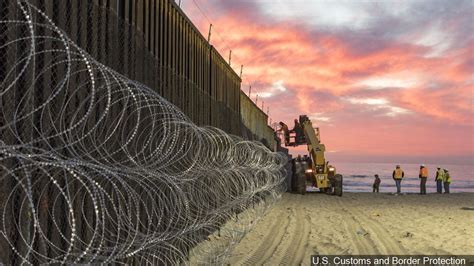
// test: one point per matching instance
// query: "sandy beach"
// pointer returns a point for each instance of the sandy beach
(298, 226)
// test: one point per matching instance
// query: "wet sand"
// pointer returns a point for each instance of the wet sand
(299, 226)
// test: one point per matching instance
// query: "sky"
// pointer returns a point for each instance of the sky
(383, 80)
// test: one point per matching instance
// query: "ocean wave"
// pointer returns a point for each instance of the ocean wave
(404, 184)
(359, 176)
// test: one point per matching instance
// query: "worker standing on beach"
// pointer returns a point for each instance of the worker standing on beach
(376, 184)
(423, 176)
(397, 175)
(447, 181)
(439, 180)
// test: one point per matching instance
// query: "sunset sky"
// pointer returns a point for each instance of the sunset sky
(382, 79)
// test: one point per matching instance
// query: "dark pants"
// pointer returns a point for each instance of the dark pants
(423, 185)
(446, 187)
(398, 182)
(376, 188)
(439, 186)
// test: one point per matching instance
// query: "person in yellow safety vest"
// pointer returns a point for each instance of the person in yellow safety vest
(423, 177)
(439, 180)
(446, 181)
(397, 175)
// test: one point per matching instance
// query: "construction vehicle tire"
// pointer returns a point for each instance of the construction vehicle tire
(302, 184)
(329, 190)
(338, 185)
(293, 184)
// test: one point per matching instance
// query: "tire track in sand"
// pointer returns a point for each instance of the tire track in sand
(269, 243)
(292, 249)
(361, 244)
(378, 234)
(388, 244)
(295, 252)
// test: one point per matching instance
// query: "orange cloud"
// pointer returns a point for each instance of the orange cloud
(322, 69)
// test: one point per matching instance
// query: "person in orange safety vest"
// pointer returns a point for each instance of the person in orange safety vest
(423, 177)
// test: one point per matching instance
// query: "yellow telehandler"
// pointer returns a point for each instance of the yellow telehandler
(313, 171)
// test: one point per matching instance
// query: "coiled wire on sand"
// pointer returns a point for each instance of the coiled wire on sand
(98, 168)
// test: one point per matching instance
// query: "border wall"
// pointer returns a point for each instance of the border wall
(155, 43)
(149, 41)
(255, 123)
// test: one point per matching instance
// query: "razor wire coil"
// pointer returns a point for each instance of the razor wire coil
(98, 168)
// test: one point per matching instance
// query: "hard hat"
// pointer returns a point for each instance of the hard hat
(422, 165)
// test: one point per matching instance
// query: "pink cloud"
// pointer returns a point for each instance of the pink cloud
(427, 101)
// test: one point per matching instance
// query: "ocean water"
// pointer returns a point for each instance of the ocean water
(359, 177)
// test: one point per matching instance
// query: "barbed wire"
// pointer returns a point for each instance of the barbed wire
(102, 169)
